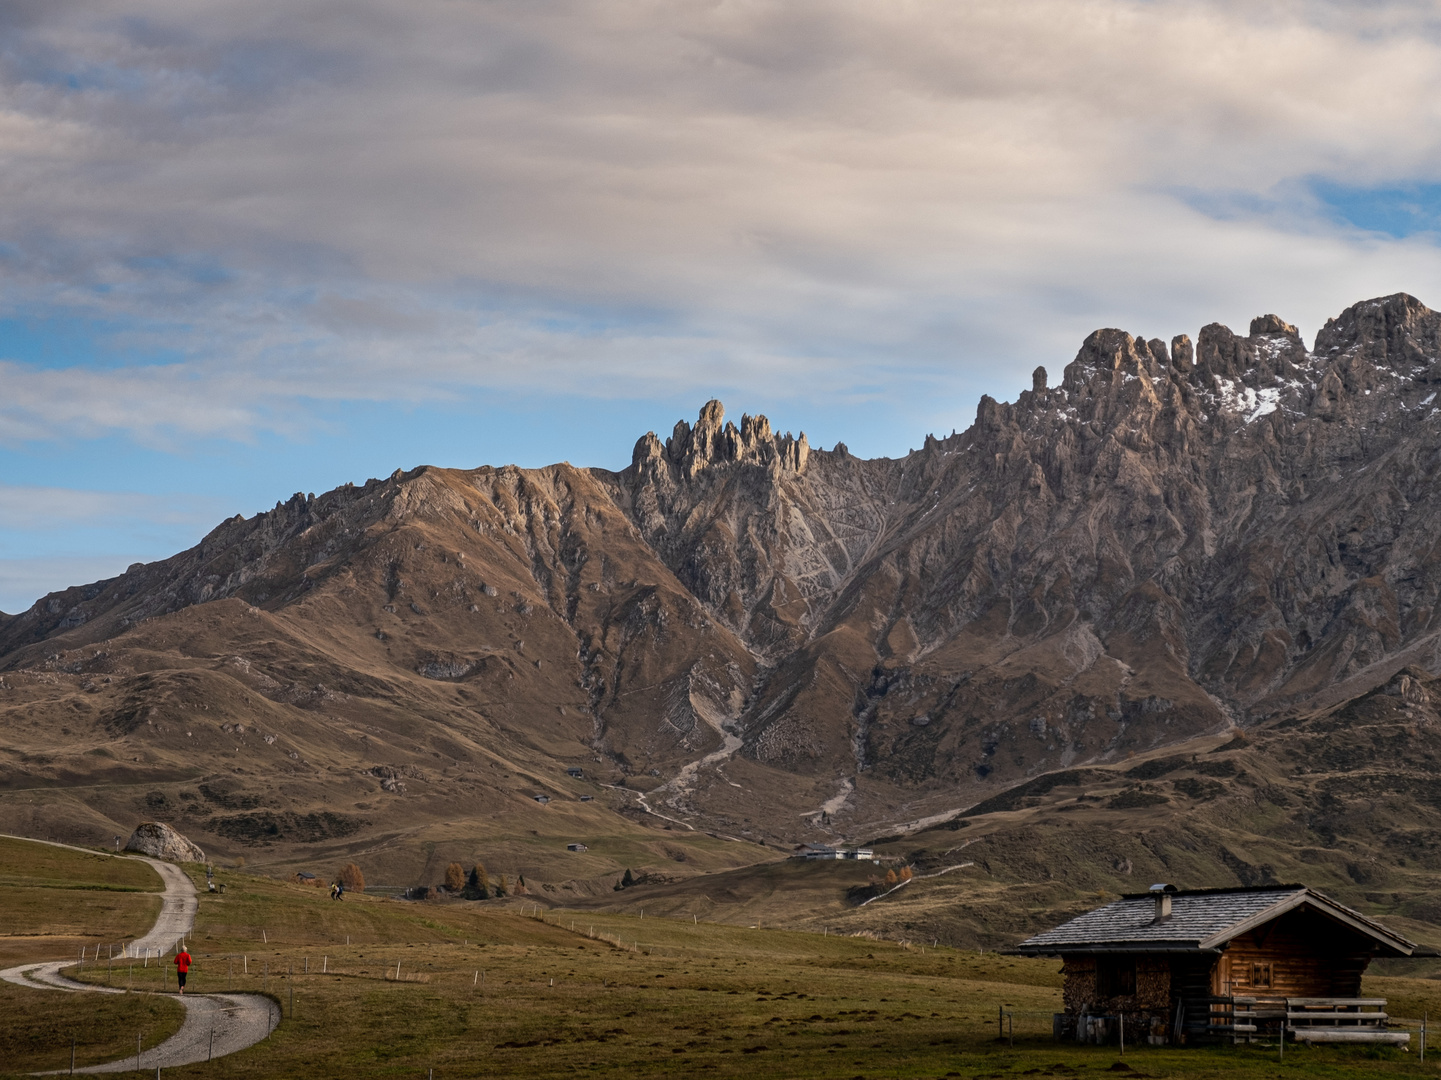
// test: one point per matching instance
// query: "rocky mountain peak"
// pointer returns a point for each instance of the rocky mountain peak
(715, 441)
(1397, 331)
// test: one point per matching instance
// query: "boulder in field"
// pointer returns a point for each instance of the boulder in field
(160, 841)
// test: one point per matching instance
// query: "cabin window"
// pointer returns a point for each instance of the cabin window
(1261, 976)
(1115, 977)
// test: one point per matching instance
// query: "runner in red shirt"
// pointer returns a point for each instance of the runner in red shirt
(182, 967)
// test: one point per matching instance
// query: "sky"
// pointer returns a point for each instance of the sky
(254, 248)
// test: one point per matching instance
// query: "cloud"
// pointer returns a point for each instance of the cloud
(412, 202)
(40, 509)
(23, 580)
(53, 537)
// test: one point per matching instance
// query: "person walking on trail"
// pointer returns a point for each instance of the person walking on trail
(183, 961)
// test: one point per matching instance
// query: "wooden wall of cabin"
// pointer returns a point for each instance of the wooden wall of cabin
(1301, 954)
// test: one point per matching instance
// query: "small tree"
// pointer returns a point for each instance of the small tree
(520, 885)
(629, 879)
(454, 877)
(502, 887)
(891, 878)
(352, 878)
(906, 873)
(480, 882)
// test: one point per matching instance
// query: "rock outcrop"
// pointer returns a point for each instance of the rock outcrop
(160, 841)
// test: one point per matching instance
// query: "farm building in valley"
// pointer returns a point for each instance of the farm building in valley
(821, 851)
(1208, 964)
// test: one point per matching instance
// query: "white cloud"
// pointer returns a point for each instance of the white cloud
(388, 201)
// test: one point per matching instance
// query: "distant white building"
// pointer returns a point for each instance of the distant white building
(576, 847)
(821, 851)
(816, 851)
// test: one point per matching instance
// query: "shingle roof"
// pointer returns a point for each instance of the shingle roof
(1200, 921)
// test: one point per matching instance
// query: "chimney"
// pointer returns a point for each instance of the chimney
(1162, 896)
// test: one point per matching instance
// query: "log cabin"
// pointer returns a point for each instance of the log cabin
(1203, 965)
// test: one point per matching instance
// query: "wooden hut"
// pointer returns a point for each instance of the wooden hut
(1207, 964)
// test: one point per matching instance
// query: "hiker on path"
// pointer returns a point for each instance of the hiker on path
(182, 967)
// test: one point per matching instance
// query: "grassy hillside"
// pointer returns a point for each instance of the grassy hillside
(1346, 800)
(472, 989)
(52, 901)
(56, 900)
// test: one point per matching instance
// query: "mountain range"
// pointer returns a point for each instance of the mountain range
(740, 638)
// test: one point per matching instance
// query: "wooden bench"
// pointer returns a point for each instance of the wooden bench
(1341, 1020)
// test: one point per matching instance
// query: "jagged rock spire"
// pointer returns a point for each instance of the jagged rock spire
(714, 441)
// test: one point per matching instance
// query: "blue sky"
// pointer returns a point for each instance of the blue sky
(248, 249)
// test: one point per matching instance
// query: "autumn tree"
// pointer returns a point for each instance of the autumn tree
(905, 874)
(891, 878)
(479, 882)
(454, 877)
(502, 887)
(352, 878)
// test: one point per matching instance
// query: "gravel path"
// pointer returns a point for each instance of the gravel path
(215, 1024)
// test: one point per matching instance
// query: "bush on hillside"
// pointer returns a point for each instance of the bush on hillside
(454, 877)
(477, 886)
(352, 878)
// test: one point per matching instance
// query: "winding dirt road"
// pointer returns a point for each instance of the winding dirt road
(214, 1025)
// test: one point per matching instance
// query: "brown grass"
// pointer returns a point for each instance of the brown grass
(57, 900)
(53, 901)
(36, 1026)
(479, 989)
(483, 991)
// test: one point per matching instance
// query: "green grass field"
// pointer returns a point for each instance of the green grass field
(473, 990)
(53, 901)
(56, 899)
(36, 1027)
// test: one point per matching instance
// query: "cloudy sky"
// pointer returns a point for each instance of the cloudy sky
(253, 247)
